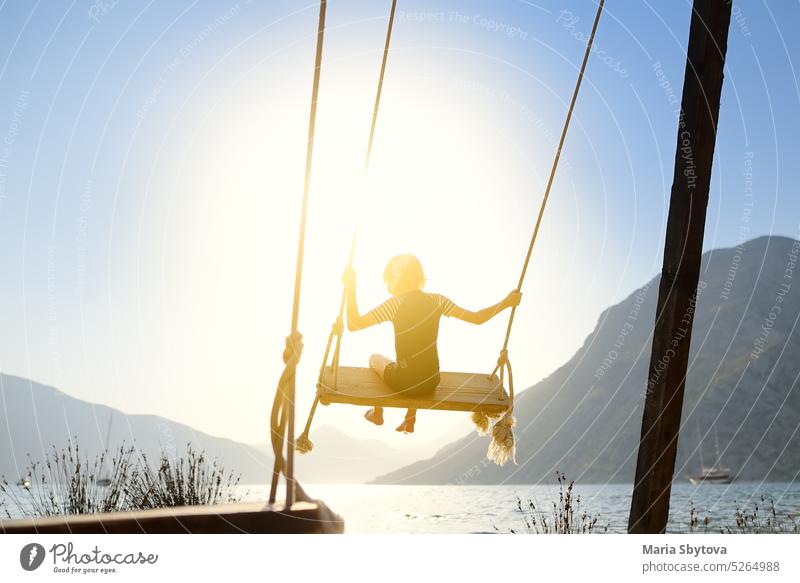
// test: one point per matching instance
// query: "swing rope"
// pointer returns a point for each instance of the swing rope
(304, 444)
(502, 447)
(282, 416)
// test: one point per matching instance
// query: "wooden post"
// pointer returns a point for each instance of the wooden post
(708, 40)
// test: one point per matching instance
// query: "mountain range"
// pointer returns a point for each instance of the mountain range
(741, 408)
(37, 417)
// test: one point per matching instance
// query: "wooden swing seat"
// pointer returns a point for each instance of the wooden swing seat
(457, 391)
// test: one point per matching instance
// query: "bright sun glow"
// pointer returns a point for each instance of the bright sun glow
(444, 184)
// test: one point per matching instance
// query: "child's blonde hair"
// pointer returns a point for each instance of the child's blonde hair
(405, 271)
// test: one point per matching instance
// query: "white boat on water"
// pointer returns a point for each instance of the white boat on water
(715, 474)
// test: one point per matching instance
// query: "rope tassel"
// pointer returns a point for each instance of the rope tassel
(482, 421)
(503, 446)
(303, 444)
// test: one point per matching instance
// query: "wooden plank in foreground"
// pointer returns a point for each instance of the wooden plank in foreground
(253, 517)
(457, 391)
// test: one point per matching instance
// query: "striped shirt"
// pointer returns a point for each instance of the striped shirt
(415, 317)
(387, 311)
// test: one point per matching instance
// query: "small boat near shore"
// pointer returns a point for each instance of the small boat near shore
(714, 474)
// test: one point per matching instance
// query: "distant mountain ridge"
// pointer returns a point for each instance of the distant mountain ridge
(34, 417)
(37, 417)
(585, 418)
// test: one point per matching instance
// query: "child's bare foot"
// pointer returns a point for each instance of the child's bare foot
(374, 415)
(407, 426)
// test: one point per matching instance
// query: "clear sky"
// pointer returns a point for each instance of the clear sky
(151, 158)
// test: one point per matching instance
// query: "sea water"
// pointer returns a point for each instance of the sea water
(488, 509)
(485, 509)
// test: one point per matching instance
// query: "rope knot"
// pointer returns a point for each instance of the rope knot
(338, 327)
(503, 358)
(293, 349)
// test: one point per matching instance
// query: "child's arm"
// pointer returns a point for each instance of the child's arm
(355, 321)
(486, 314)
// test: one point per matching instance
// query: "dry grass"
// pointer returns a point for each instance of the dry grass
(184, 481)
(562, 516)
(66, 483)
(763, 518)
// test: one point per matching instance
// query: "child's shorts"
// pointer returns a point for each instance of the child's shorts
(407, 381)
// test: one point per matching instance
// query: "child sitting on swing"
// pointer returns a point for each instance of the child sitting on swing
(415, 317)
